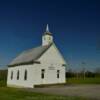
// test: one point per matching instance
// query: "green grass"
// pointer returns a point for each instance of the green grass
(18, 94)
(21, 94)
(3, 83)
(83, 81)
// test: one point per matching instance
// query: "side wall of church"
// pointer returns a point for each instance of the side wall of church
(12, 80)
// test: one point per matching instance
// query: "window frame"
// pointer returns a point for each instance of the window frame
(42, 73)
(11, 77)
(18, 75)
(25, 75)
(58, 74)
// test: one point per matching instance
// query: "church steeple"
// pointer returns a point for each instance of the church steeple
(47, 38)
(47, 28)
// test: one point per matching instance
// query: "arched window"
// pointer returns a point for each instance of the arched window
(42, 73)
(25, 75)
(58, 72)
(18, 75)
(11, 75)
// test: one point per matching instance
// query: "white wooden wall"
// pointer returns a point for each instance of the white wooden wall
(51, 61)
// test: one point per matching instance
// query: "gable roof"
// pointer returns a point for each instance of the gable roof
(29, 56)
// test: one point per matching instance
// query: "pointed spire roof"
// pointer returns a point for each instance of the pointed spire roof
(47, 30)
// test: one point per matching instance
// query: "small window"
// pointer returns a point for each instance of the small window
(42, 73)
(58, 71)
(25, 75)
(57, 75)
(18, 75)
(11, 75)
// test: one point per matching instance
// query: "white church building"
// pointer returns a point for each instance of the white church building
(41, 65)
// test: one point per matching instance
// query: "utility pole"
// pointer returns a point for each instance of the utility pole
(83, 64)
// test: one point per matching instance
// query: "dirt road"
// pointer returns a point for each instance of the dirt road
(91, 91)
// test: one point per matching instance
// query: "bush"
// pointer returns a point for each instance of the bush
(2, 83)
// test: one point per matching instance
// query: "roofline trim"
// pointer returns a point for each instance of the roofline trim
(24, 63)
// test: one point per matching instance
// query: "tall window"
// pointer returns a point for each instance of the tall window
(18, 75)
(58, 72)
(25, 75)
(42, 73)
(11, 75)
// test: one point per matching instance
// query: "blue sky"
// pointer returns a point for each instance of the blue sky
(74, 24)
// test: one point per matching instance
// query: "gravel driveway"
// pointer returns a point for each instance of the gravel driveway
(91, 91)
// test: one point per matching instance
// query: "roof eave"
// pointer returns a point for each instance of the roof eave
(24, 63)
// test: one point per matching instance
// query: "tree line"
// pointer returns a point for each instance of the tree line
(3, 74)
(83, 74)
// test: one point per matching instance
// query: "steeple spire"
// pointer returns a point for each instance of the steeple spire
(47, 28)
(47, 37)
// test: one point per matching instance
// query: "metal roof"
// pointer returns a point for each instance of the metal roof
(29, 55)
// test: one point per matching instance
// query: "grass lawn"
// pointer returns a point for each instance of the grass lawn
(3, 83)
(83, 81)
(18, 94)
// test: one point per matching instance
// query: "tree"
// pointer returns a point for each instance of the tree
(83, 64)
(3, 74)
(97, 72)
